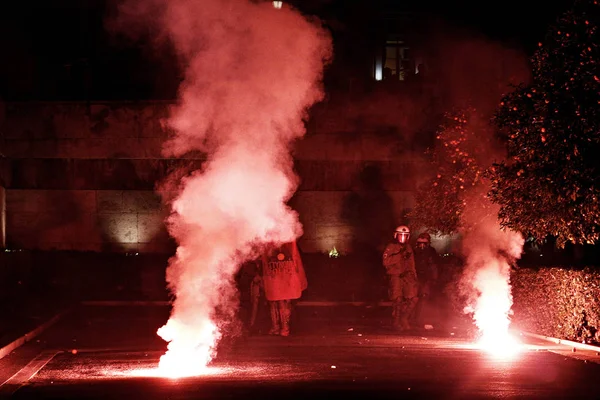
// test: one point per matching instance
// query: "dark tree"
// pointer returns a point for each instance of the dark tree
(458, 164)
(550, 181)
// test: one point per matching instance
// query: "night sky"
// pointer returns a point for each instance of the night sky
(522, 21)
(60, 49)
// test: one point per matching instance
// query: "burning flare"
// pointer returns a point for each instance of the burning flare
(191, 352)
(489, 252)
(493, 308)
(251, 72)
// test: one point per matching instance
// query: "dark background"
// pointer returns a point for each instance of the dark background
(61, 49)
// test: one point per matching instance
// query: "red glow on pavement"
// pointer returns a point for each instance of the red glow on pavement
(178, 373)
(244, 371)
(503, 346)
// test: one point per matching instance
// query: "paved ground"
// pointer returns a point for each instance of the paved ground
(23, 312)
(332, 354)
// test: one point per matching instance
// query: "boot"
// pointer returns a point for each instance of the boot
(406, 310)
(415, 316)
(285, 312)
(404, 324)
(275, 322)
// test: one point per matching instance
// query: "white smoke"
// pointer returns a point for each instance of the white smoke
(251, 72)
(490, 251)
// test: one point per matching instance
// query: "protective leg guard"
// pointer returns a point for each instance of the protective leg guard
(397, 315)
(408, 305)
(275, 322)
(415, 316)
(285, 312)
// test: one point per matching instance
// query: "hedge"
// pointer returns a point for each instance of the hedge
(558, 302)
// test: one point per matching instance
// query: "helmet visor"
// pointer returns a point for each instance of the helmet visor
(403, 237)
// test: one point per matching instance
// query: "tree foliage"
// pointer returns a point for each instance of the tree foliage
(458, 165)
(550, 181)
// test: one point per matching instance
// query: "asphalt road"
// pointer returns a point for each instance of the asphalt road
(100, 353)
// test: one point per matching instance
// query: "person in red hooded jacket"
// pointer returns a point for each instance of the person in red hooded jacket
(283, 280)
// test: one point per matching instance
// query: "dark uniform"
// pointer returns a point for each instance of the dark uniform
(426, 262)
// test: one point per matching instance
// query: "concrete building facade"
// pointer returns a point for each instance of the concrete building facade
(82, 176)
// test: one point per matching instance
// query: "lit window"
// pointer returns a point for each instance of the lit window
(278, 4)
(396, 65)
(379, 68)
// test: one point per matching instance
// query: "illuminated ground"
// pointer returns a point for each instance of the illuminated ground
(341, 357)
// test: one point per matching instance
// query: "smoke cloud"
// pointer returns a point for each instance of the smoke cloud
(472, 72)
(489, 254)
(251, 72)
(489, 250)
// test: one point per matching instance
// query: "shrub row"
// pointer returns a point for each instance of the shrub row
(558, 302)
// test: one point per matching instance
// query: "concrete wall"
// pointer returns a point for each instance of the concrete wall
(2, 217)
(4, 172)
(88, 220)
(82, 177)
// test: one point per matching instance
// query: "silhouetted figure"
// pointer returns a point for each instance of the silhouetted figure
(368, 209)
(421, 72)
(426, 264)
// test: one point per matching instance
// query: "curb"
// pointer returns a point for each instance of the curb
(117, 303)
(343, 303)
(15, 344)
(570, 343)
